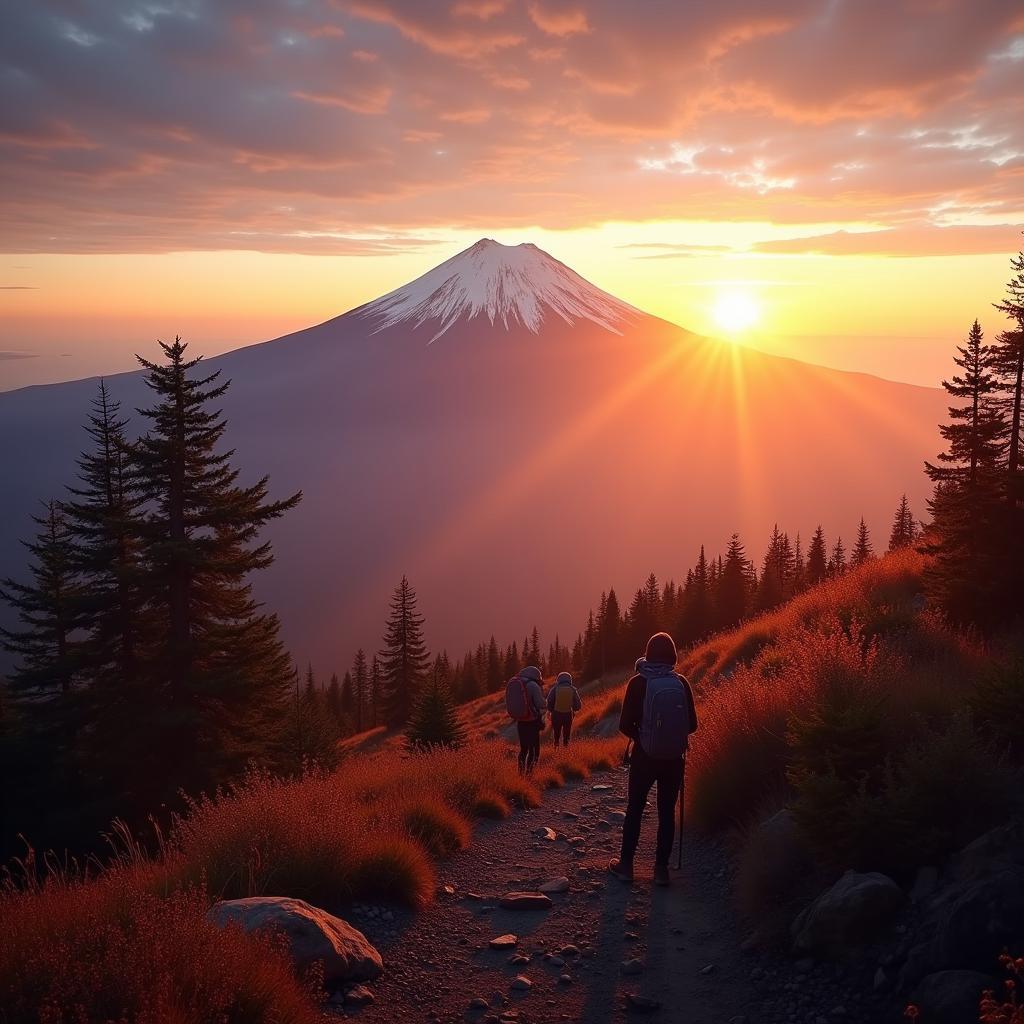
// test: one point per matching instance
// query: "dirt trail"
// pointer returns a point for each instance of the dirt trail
(685, 939)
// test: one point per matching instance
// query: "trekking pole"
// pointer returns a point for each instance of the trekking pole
(682, 804)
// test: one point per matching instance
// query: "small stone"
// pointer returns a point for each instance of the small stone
(521, 983)
(479, 1003)
(633, 966)
(525, 901)
(518, 960)
(642, 1004)
(556, 961)
(447, 890)
(617, 816)
(508, 941)
(359, 995)
(601, 787)
(554, 885)
(604, 826)
(570, 950)
(548, 834)
(565, 979)
(710, 969)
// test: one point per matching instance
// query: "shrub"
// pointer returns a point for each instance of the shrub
(997, 703)
(110, 951)
(435, 825)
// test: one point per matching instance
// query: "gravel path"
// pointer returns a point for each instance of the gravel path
(678, 950)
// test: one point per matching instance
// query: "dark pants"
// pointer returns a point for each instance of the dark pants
(561, 726)
(529, 744)
(644, 772)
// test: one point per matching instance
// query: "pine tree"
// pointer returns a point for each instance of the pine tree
(817, 558)
(218, 675)
(311, 732)
(862, 550)
(347, 696)
(376, 691)
(968, 575)
(732, 597)
(333, 700)
(904, 529)
(776, 582)
(404, 659)
(435, 720)
(696, 612)
(837, 560)
(50, 610)
(360, 687)
(1008, 363)
(103, 516)
(494, 667)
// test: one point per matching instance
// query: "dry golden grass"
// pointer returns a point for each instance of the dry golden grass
(131, 942)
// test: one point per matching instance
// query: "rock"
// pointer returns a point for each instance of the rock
(525, 901)
(633, 966)
(546, 833)
(925, 883)
(642, 1004)
(1001, 847)
(478, 1004)
(521, 983)
(881, 979)
(617, 816)
(554, 885)
(848, 914)
(359, 995)
(710, 969)
(565, 979)
(569, 950)
(577, 841)
(950, 997)
(508, 941)
(969, 926)
(601, 787)
(313, 935)
(604, 826)
(447, 890)
(518, 960)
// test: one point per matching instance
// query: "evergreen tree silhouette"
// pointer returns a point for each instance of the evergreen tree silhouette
(435, 721)
(360, 687)
(348, 702)
(732, 596)
(1008, 362)
(904, 529)
(969, 573)
(218, 676)
(817, 558)
(103, 516)
(376, 691)
(332, 700)
(862, 550)
(404, 660)
(837, 560)
(50, 610)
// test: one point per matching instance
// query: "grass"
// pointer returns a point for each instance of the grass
(130, 941)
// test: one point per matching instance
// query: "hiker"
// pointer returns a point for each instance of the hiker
(524, 701)
(563, 702)
(659, 716)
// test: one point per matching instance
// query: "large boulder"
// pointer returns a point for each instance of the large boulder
(951, 997)
(970, 925)
(313, 935)
(847, 915)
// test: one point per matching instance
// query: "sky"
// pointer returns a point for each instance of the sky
(837, 180)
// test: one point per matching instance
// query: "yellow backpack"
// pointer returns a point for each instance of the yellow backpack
(563, 698)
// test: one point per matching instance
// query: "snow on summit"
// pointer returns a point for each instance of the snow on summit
(509, 284)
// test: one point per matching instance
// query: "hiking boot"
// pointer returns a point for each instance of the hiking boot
(621, 870)
(661, 875)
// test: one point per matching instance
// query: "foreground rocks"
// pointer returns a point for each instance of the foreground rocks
(313, 935)
(525, 901)
(951, 997)
(847, 915)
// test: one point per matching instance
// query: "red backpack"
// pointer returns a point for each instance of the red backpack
(517, 701)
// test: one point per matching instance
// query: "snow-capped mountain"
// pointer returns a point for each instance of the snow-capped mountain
(553, 442)
(507, 284)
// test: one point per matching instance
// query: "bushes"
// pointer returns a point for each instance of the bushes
(109, 950)
(998, 705)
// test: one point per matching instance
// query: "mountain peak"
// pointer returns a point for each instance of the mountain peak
(514, 285)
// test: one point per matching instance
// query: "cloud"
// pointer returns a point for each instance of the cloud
(17, 355)
(309, 127)
(915, 240)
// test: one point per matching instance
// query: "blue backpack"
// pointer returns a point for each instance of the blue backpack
(665, 725)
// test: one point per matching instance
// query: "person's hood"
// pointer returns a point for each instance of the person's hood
(531, 672)
(654, 669)
(564, 679)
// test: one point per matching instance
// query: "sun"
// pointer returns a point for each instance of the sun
(735, 310)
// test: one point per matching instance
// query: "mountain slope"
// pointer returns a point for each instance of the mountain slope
(517, 466)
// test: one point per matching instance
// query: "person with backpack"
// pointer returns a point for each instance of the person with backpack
(524, 701)
(659, 716)
(563, 702)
